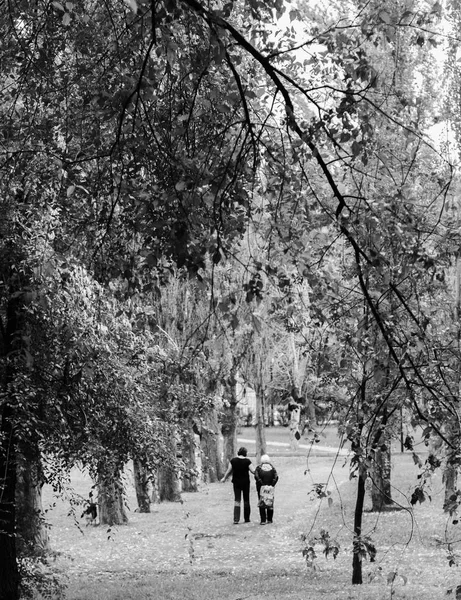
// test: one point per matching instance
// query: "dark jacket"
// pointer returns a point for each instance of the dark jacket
(265, 474)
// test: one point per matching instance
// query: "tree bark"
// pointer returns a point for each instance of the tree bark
(32, 535)
(260, 432)
(189, 479)
(357, 558)
(110, 499)
(450, 479)
(450, 471)
(141, 484)
(169, 485)
(210, 455)
(295, 415)
(155, 496)
(381, 491)
(211, 463)
(9, 573)
(229, 423)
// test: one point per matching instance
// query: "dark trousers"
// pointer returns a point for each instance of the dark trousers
(239, 491)
(266, 514)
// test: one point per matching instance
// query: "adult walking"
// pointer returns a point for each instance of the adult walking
(266, 477)
(240, 467)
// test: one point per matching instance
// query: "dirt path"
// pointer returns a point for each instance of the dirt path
(198, 533)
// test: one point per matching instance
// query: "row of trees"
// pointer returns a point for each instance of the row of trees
(192, 192)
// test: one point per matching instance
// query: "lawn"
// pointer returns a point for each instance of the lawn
(275, 436)
(192, 551)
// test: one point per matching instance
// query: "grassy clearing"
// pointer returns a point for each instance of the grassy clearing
(192, 551)
(276, 436)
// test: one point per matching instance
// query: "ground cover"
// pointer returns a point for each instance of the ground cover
(192, 551)
(315, 443)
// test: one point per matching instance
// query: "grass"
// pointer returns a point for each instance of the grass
(192, 551)
(321, 443)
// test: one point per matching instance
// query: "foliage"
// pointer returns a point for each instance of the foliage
(365, 547)
(39, 577)
(329, 547)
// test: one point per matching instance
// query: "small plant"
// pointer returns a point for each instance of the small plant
(365, 547)
(320, 491)
(451, 556)
(38, 577)
(330, 547)
(451, 505)
(456, 591)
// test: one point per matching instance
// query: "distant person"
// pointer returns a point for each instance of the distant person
(240, 467)
(91, 511)
(266, 477)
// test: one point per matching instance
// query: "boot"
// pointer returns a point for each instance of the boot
(246, 511)
(236, 513)
(270, 515)
(262, 514)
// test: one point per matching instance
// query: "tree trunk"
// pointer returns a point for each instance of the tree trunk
(358, 515)
(141, 484)
(450, 479)
(9, 574)
(32, 535)
(111, 501)
(311, 417)
(169, 485)
(211, 465)
(380, 473)
(260, 432)
(155, 496)
(450, 471)
(229, 423)
(189, 479)
(229, 432)
(381, 491)
(295, 415)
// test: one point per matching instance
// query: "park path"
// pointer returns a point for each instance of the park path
(313, 449)
(276, 546)
(199, 533)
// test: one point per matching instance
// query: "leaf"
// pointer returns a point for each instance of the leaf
(356, 147)
(384, 16)
(408, 14)
(417, 460)
(391, 577)
(216, 256)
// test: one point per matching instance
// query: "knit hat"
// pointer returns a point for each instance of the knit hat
(265, 458)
